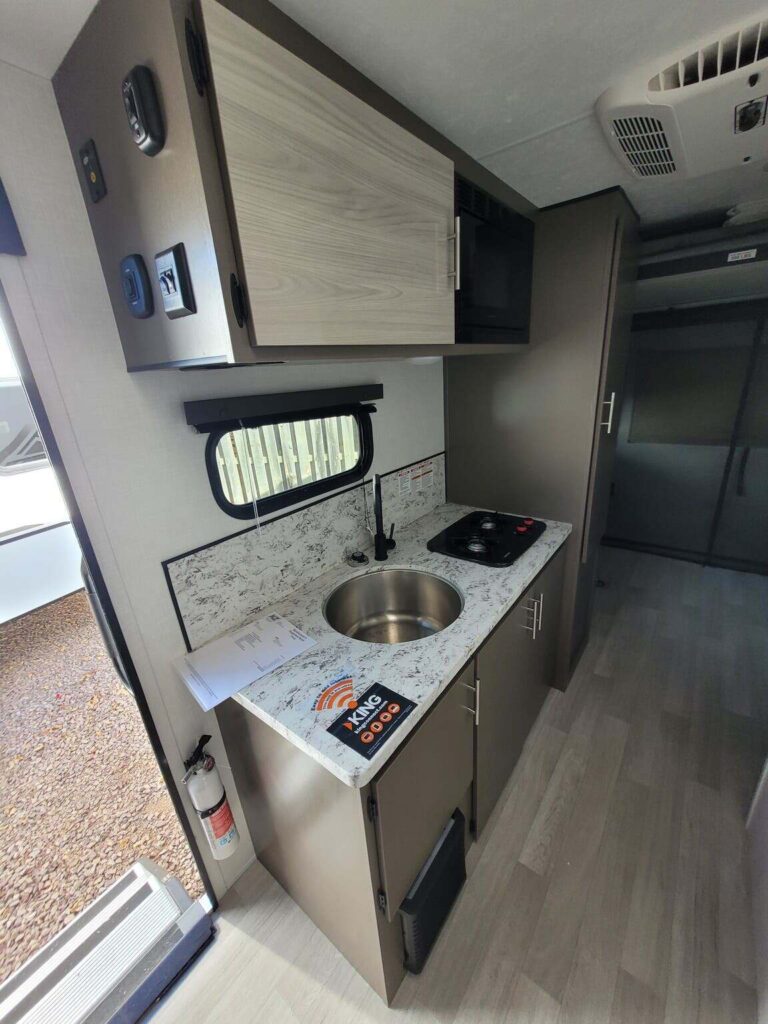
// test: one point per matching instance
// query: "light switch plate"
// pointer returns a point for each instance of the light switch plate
(175, 284)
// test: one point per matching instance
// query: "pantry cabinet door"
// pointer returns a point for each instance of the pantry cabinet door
(343, 217)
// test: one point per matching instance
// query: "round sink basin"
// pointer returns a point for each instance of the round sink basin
(392, 606)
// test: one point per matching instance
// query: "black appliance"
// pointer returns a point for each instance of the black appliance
(495, 269)
(425, 908)
(490, 538)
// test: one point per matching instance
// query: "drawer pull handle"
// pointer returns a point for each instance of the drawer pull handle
(456, 239)
(475, 711)
(610, 402)
(532, 629)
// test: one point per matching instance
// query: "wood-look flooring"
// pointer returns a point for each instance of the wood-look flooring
(611, 884)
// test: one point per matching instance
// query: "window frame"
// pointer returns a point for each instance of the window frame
(296, 495)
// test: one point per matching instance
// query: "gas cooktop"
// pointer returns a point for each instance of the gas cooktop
(490, 538)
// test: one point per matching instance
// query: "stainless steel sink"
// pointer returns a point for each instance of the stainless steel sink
(393, 606)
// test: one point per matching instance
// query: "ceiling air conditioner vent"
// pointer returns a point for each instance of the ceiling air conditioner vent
(732, 52)
(645, 144)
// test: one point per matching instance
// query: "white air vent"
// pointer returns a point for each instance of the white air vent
(703, 113)
(738, 50)
(645, 144)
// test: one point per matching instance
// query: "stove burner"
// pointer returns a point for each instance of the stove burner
(488, 538)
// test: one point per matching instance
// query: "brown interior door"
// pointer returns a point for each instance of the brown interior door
(741, 533)
(612, 376)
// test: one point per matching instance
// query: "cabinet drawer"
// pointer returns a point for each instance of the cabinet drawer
(419, 790)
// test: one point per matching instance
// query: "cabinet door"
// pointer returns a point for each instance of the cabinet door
(620, 272)
(343, 217)
(511, 690)
(547, 592)
(421, 787)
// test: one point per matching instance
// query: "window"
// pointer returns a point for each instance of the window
(284, 461)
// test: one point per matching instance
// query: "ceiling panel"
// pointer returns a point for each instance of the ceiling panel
(515, 83)
(512, 83)
(36, 34)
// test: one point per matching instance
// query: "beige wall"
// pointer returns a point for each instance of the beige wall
(135, 467)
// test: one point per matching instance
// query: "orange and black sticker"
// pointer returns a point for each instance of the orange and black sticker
(378, 713)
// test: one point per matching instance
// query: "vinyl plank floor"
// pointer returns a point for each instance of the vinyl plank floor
(611, 883)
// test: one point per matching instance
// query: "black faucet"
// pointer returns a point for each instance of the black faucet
(382, 544)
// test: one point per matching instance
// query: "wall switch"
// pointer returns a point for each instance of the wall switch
(175, 284)
(94, 179)
(137, 290)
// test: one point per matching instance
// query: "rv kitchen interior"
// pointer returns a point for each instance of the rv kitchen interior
(384, 512)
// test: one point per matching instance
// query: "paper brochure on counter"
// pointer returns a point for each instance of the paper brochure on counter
(222, 667)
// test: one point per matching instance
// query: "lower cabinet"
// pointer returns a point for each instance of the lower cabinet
(348, 856)
(514, 670)
(421, 787)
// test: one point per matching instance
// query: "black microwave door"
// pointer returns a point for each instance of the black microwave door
(494, 297)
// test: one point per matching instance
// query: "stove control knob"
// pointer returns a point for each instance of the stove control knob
(522, 529)
(528, 522)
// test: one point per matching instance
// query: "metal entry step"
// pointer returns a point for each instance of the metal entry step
(114, 959)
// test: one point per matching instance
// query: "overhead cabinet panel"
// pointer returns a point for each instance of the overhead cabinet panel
(343, 218)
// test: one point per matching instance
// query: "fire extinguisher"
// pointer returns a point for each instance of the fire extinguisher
(209, 798)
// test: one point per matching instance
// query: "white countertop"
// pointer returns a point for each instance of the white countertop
(420, 670)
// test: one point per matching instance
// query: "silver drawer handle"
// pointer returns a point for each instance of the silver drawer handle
(475, 711)
(541, 607)
(610, 402)
(456, 239)
(532, 629)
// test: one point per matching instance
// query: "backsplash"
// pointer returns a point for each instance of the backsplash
(411, 492)
(220, 586)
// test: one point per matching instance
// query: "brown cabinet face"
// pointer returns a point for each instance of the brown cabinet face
(613, 366)
(515, 669)
(505, 670)
(345, 220)
(421, 787)
(548, 590)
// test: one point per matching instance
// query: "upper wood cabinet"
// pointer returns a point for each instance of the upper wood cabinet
(312, 221)
(343, 217)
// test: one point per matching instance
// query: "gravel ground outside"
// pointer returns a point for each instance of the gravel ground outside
(81, 795)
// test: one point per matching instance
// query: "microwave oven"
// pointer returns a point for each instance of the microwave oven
(495, 269)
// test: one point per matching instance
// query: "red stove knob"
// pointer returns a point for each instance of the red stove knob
(528, 522)
(522, 529)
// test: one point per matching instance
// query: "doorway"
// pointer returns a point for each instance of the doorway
(85, 790)
(691, 472)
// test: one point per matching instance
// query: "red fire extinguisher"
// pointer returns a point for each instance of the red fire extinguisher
(209, 798)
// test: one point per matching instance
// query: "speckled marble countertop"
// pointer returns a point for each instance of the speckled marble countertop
(420, 670)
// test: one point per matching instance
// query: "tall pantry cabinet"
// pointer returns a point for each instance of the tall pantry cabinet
(535, 432)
